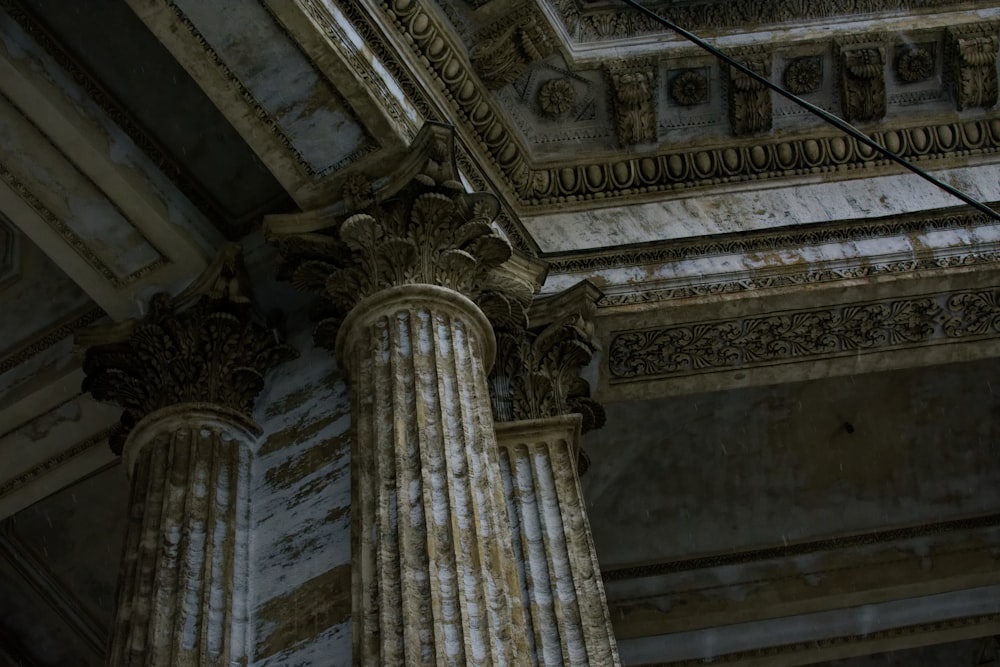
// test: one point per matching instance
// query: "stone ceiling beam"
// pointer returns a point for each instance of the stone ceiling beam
(78, 187)
(286, 106)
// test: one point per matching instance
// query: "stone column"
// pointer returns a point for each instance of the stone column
(542, 405)
(407, 277)
(187, 376)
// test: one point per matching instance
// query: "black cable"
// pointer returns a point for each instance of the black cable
(837, 122)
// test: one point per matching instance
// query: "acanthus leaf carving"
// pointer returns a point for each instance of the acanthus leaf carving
(502, 53)
(423, 228)
(749, 99)
(634, 86)
(538, 369)
(973, 56)
(862, 81)
(207, 345)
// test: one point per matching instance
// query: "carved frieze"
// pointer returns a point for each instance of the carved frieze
(676, 167)
(592, 22)
(750, 100)
(422, 228)
(973, 64)
(819, 333)
(502, 53)
(208, 345)
(634, 94)
(862, 82)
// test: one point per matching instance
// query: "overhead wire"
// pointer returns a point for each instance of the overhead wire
(825, 115)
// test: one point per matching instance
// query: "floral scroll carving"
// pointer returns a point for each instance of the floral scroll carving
(819, 333)
(504, 52)
(208, 345)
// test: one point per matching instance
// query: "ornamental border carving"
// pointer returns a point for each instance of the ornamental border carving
(764, 241)
(48, 339)
(877, 537)
(51, 463)
(540, 186)
(986, 620)
(807, 334)
(595, 25)
(72, 239)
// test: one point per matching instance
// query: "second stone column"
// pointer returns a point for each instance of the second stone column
(405, 278)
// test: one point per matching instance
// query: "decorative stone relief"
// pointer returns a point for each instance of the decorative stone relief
(804, 75)
(670, 170)
(423, 228)
(750, 100)
(634, 89)
(537, 373)
(862, 82)
(591, 22)
(208, 345)
(503, 53)
(819, 333)
(556, 97)
(973, 63)
(689, 87)
(915, 63)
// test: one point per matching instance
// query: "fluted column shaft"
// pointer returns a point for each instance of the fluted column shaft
(435, 581)
(182, 594)
(562, 591)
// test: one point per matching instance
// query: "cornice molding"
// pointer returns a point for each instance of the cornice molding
(48, 338)
(48, 465)
(585, 24)
(879, 537)
(538, 187)
(795, 336)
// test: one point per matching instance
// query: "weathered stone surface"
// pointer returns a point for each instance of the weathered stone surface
(182, 592)
(561, 584)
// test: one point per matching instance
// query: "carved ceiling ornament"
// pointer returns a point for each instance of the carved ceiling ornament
(503, 53)
(804, 75)
(422, 228)
(556, 97)
(973, 58)
(915, 63)
(689, 87)
(634, 95)
(548, 186)
(537, 371)
(862, 82)
(208, 345)
(750, 100)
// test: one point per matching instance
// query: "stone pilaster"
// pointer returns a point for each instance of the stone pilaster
(542, 405)
(187, 376)
(410, 279)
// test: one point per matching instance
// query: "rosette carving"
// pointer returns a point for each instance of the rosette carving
(426, 231)
(208, 345)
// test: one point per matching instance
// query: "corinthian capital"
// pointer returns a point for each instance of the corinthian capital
(208, 345)
(420, 228)
(537, 373)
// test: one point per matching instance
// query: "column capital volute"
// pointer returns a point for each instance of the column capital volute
(418, 225)
(537, 373)
(207, 346)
